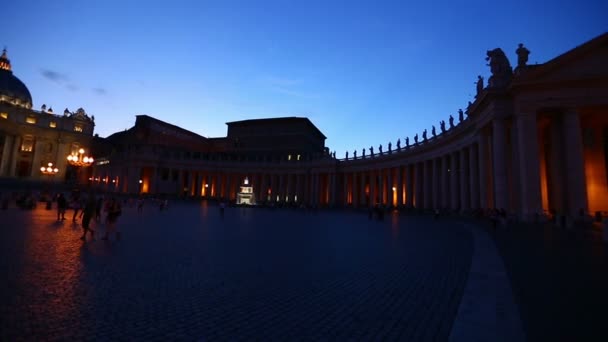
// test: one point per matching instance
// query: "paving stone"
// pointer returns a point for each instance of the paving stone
(188, 274)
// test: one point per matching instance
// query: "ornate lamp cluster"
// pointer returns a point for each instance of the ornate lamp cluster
(80, 159)
(49, 169)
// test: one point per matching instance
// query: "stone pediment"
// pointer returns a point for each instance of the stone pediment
(584, 62)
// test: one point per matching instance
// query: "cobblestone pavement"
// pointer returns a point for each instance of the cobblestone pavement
(559, 279)
(187, 274)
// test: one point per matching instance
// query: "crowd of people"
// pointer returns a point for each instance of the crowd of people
(89, 207)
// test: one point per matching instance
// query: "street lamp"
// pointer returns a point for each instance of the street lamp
(49, 169)
(79, 159)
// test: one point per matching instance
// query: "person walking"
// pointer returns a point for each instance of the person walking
(140, 205)
(114, 210)
(98, 207)
(62, 204)
(75, 206)
(87, 214)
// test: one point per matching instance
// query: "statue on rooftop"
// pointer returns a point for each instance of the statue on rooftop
(442, 125)
(407, 142)
(500, 68)
(390, 147)
(399, 143)
(371, 150)
(479, 84)
(416, 139)
(363, 153)
(460, 115)
(424, 135)
(522, 55)
(355, 154)
(451, 121)
(433, 131)
(380, 149)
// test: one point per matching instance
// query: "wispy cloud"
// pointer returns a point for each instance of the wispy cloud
(54, 76)
(100, 91)
(59, 78)
(292, 92)
(286, 85)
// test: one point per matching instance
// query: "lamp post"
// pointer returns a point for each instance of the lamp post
(79, 160)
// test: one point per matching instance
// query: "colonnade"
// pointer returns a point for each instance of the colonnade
(525, 163)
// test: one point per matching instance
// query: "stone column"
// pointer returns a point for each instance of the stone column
(381, 187)
(464, 181)
(345, 188)
(474, 176)
(575, 163)
(409, 186)
(428, 184)
(355, 192)
(6, 151)
(362, 197)
(454, 179)
(501, 191)
(436, 183)
(399, 181)
(390, 186)
(15, 156)
(418, 179)
(555, 166)
(483, 171)
(372, 188)
(529, 166)
(445, 182)
(37, 160)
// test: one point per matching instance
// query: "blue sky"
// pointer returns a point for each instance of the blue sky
(365, 73)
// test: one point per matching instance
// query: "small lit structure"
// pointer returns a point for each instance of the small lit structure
(49, 169)
(245, 195)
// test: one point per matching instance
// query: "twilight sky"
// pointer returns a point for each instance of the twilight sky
(365, 73)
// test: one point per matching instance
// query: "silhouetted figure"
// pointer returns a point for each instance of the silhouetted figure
(416, 139)
(363, 153)
(346, 155)
(98, 207)
(87, 214)
(433, 131)
(222, 208)
(407, 142)
(398, 144)
(140, 205)
(451, 121)
(113, 210)
(460, 115)
(371, 151)
(522, 55)
(424, 135)
(75, 206)
(390, 148)
(442, 125)
(380, 149)
(479, 85)
(62, 205)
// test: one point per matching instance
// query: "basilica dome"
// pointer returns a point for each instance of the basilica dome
(12, 90)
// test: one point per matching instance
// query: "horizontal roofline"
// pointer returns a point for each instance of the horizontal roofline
(279, 119)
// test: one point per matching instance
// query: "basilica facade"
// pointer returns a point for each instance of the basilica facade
(34, 141)
(534, 140)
